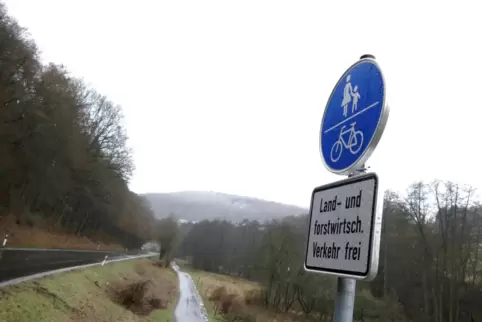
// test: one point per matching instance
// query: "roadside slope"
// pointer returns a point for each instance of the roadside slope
(136, 290)
(42, 236)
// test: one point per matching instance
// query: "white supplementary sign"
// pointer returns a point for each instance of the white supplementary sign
(344, 232)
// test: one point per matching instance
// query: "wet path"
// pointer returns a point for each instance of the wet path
(190, 307)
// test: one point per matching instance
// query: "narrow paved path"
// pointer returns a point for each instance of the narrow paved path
(190, 307)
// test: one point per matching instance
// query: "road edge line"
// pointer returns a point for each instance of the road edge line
(68, 269)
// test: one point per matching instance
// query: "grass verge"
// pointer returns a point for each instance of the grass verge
(209, 283)
(230, 299)
(134, 290)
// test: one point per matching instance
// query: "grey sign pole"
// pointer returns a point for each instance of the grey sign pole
(345, 299)
(346, 288)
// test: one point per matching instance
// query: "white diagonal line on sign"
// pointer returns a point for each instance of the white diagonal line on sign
(349, 118)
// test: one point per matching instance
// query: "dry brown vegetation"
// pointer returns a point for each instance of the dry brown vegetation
(249, 307)
(226, 302)
(147, 292)
(236, 299)
(34, 236)
(141, 297)
(231, 299)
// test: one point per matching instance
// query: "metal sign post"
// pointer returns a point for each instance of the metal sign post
(345, 216)
(345, 299)
(345, 296)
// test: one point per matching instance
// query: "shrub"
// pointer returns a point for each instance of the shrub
(138, 298)
(253, 297)
(217, 294)
(240, 317)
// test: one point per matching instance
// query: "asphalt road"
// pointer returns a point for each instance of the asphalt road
(21, 262)
(190, 307)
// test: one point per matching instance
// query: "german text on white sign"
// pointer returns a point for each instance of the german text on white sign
(344, 232)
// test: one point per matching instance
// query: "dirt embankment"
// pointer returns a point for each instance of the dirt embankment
(43, 237)
(135, 290)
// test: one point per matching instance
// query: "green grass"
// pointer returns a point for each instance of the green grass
(82, 295)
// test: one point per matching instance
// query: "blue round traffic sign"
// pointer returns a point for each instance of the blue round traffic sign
(354, 118)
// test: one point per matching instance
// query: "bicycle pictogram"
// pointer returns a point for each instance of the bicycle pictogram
(354, 143)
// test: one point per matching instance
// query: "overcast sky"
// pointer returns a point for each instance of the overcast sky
(228, 95)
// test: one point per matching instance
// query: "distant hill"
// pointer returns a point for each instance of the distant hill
(199, 205)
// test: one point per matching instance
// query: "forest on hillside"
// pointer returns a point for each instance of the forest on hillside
(430, 259)
(65, 163)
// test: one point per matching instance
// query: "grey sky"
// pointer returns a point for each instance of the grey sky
(228, 96)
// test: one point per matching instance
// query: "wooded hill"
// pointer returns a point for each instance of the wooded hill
(64, 160)
(430, 264)
(202, 205)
